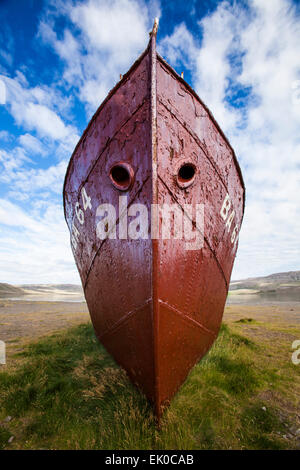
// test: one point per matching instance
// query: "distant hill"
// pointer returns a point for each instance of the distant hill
(47, 288)
(8, 289)
(281, 277)
(282, 285)
(288, 279)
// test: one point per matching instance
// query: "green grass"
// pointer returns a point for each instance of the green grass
(68, 393)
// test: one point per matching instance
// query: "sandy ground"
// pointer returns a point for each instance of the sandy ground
(284, 313)
(24, 321)
(275, 326)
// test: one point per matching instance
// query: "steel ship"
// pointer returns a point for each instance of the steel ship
(156, 303)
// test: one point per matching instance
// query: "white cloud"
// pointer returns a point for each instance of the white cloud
(32, 144)
(33, 109)
(39, 179)
(30, 181)
(34, 249)
(106, 24)
(12, 215)
(5, 136)
(179, 47)
(2, 92)
(11, 162)
(40, 118)
(106, 37)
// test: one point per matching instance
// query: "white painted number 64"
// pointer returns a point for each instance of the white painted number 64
(86, 200)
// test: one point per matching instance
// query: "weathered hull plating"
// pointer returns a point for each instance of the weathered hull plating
(156, 306)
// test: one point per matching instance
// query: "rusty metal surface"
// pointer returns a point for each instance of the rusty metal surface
(125, 100)
(155, 306)
(99, 187)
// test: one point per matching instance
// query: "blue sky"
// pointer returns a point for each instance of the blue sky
(58, 60)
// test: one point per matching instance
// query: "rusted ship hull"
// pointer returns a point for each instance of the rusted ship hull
(155, 305)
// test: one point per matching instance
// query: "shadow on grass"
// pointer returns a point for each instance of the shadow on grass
(70, 394)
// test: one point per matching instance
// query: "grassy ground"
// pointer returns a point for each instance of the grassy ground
(65, 392)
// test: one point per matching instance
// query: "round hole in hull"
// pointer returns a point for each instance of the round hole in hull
(186, 175)
(122, 176)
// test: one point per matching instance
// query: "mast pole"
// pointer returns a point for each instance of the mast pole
(154, 221)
